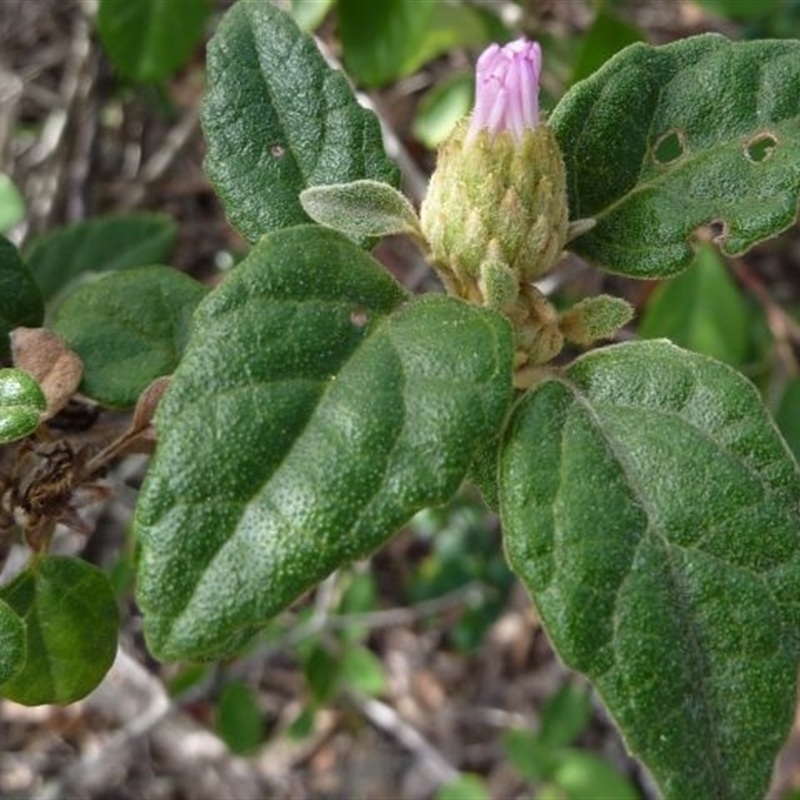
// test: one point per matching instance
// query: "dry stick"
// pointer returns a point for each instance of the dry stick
(182, 740)
(387, 720)
(162, 159)
(372, 620)
(74, 88)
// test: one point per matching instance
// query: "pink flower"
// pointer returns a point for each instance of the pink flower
(507, 89)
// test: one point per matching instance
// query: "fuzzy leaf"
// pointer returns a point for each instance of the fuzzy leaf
(128, 328)
(278, 119)
(662, 141)
(315, 411)
(651, 508)
(361, 209)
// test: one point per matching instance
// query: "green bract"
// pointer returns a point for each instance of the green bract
(316, 409)
(652, 510)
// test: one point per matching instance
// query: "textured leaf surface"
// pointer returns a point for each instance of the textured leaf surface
(22, 404)
(278, 119)
(128, 328)
(99, 245)
(315, 410)
(651, 509)
(20, 297)
(71, 620)
(664, 140)
(12, 642)
(149, 40)
(361, 209)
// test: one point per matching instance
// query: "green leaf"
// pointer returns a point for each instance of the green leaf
(442, 107)
(304, 425)
(20, 298)
(565, 715)
(12, 642)
(322, 670)
(99, 245)
(381, 40)
(650, 507)
(607, 35)
(71, 621)
(586, 776)
(702, 310)
(363, 670)
(239, 722)
(664, 140)
(533, 758)
(278, 119)
(128, 328)
(12, 206)
(788, 416)
(149, 40)
(392, 39)
(361, 209)
(22, 403)
(309, 14)
(467, 787)
(743, 9)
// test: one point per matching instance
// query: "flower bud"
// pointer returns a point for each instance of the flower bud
(495, 216)
(497, 204)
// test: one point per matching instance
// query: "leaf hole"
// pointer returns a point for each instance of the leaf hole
(359, 318)
(669, 147)
(760, 147)
(277, 151)
(715, 230)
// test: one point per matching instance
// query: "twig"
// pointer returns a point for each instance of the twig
(387, 720)
(388, 618)
(161, 160)
(46, 169)
(138, 683)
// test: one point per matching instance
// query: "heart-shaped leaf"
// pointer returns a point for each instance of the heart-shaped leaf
(651, 508)
(71, 621)
(278, 119)
(22, 404)
(315, 410)
(664, 140)
(128, 328)
(20, 298)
